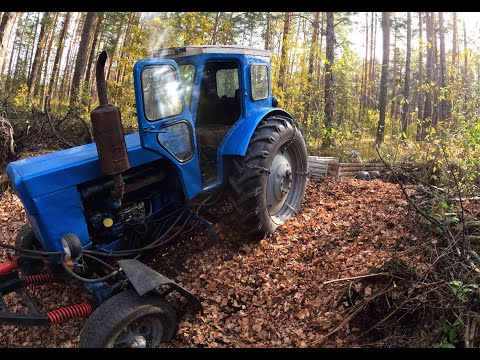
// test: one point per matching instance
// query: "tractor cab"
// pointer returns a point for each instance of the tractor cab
(189, 100)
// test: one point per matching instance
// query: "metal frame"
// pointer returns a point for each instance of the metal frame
(9, 283)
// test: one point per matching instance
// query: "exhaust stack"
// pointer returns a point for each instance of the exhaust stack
(108, 134)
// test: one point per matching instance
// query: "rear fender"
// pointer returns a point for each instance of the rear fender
(237, 140)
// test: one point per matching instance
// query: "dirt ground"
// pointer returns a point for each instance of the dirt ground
(277, 292)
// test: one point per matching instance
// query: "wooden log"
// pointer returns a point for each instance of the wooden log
(347, 174)
(361, 166)
(323, 165)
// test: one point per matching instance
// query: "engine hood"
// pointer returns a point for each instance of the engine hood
(44, 174)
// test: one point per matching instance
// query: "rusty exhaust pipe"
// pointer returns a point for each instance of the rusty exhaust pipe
(108, 134)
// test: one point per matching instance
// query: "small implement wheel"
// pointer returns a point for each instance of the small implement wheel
(128, 320)
(26, 240)
(268, 183)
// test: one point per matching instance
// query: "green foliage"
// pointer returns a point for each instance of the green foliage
(450, 339)
(451, 330)
(21, 97)
(462, 290)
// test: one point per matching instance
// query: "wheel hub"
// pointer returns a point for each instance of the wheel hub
(279, 181)
(283, 181)
(139, 342)
(140, 334)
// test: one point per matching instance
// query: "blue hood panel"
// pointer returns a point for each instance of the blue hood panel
(44, 174)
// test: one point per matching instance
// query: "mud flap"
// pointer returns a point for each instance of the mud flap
(144, 279)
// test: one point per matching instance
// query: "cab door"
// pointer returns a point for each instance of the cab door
(164, 121)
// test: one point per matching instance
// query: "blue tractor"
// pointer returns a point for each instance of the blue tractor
(208, 128)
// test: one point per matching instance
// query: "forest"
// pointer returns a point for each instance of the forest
(418, 76)
(402, 88)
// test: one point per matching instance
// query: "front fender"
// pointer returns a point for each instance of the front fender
(145, 279)
(237, 140)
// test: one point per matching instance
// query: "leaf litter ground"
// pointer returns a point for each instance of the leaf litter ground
(270, 293)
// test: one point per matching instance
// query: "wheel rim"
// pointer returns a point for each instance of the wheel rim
(144, 332)
(285, 182)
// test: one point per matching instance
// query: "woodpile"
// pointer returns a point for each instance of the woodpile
(323, 166)
(320, 167)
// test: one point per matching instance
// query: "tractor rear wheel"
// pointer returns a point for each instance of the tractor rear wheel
(268, 183)
(128, 320)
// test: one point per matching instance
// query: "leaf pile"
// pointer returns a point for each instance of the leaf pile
(257, 294)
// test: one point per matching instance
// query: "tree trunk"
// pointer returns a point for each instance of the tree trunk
(58, 56)
(373, 48)
(328, 140)
(294, 54)
(11, 74)
(465, 63)
(30, 49)
(427, 115)
(13, 40)
(91, 58)
(81, 61)
(91, 79)
(45, 53)
(384, 78)
(37, 60)
(115, 47)
(311, 69)
(394, 74)
(125, 42)
(406, 89)
(370, 76)
(396, 110)
(454, 42)
(319, 64)
(267, 33)
(283, 56)
(364, 81)
(313, 47)
(420, 77)
(18, 57)
(213, 41)
(6, 26)
(443, 66)
(42, 90)
(435, 77)
(66, 78)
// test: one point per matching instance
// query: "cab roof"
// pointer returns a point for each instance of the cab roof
(182, 51)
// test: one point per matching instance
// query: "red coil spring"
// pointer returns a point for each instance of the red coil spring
(69, 312)
(39, 279)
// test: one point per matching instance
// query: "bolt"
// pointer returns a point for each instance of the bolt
(139, 342)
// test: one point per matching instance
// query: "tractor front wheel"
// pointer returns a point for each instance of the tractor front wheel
(268, 183)
(128, 320)
(26, 240)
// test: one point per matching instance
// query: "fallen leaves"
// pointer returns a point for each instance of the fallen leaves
(257, 294)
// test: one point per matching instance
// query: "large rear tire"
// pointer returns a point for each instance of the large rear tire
(268, 183)
(130, 320)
